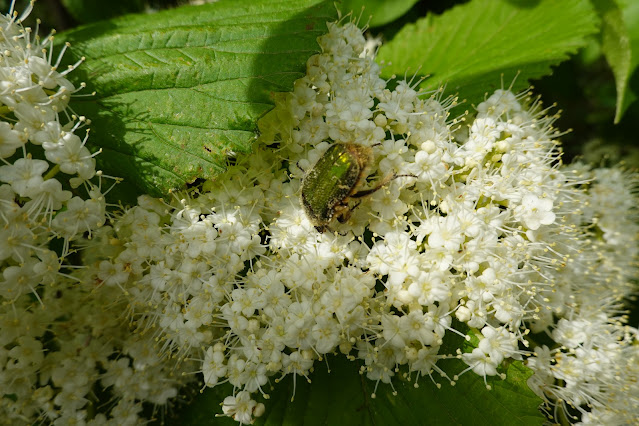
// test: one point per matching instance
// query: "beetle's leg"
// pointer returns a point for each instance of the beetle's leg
(366, 192)
(346, 213)
(384, 182)
(300, 167)
(342, 212)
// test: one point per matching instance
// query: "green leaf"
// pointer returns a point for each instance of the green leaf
(616, 47)
(510, 401)
(381, 12)
(475, 46)
(343, 396)
(86, 11)
(202, 409)
(620, 45)
(180, 90)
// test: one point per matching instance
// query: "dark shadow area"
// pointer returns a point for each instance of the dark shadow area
(586, 95)
(105, 126)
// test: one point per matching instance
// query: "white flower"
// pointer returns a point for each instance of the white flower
(17, 240)
(81, 215)
(498, 344)
(480, 362)
(72, 156)
(428, 288)
(571, 333)
(50, 198)
(10, 140)
(534, 211)
(213, 366)
(24, 176)
(112, 273)
(445, 232)
(241, 407)
(18, 280)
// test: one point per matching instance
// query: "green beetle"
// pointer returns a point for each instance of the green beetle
(336, 178)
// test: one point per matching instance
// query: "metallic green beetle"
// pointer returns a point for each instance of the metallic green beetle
(334, 181)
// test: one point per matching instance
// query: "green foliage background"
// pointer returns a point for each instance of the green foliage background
(180, 90)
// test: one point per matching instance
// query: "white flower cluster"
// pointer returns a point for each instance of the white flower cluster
(472, 226)
(60, 341)
(593, 369)
(478, 227)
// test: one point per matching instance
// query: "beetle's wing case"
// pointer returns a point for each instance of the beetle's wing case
(331, 180)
